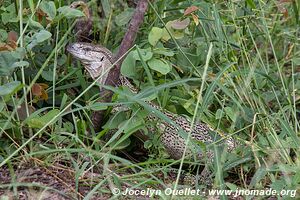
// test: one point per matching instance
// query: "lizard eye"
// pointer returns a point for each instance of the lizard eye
(102, 58)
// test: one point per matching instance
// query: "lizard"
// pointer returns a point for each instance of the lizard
(97, 59)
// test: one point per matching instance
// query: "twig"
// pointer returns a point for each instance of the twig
(126, 44)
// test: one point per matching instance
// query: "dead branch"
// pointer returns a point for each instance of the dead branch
(126, 44)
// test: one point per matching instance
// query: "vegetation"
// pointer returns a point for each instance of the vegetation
(234, 65)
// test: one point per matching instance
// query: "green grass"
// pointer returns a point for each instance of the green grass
(237, 71)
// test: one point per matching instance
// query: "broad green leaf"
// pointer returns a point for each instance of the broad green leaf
(219, 114)
(146, 54)
(35, 24)
(128, 65)
(10, 14)
(296, 60)
(115, 121)
(231, 186)
(165, 35)
(230, 113)
(42, 35)
(2, 105)
(31, 5)
(251, 4)
(3, 35)
(121, 145)
(132, 125)
(106, 7)
(151, 96)
(285, 126)
(178, 34)
(48, 8)
(163, 51)
(20, 64)
(155, 35)
(39, 122)
(48, 75)
(9, 126)
(69, 13)
(8, 61)
(39, 37)
(19, 53)
(124, 17)
(278, 184)
(10, 88)
(159, 65)
(98, 106)
(62, 60)
(148, 144)
(258, 176)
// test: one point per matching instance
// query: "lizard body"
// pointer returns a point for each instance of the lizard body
(97, 59)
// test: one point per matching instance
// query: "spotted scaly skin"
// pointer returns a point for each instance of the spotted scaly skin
(97, 59)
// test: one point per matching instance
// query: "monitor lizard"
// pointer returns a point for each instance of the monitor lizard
(97, 59)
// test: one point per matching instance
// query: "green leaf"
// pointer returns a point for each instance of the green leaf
(9, 125)
(296, 60)
(10, 88)
(2, 106)
(163, 51)
(3, 35)
(31, 5)
(124, 17)
(258, 176)
(39, 122)
(230, 113)
(20, 64)
(106, 7)
(133, 124)
(219, 114)
(42, 35)
(155, 35)
(34, 24)
(178, 34)
(7, 62)
(48, 8)
(48, 75)
(122, 145)
(251, 4)
(159, 65)
(10, 14)
(115, 121)
(70, 13)
(128, 65)
(148, 144)
(98, 106)
(146, 54)
(39, 37)
(231, 186)
(165, 35)
(151, 96)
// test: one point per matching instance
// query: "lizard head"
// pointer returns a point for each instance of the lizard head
(95, 58)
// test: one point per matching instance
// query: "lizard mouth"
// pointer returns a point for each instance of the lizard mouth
(70, 49)
(75, 52)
